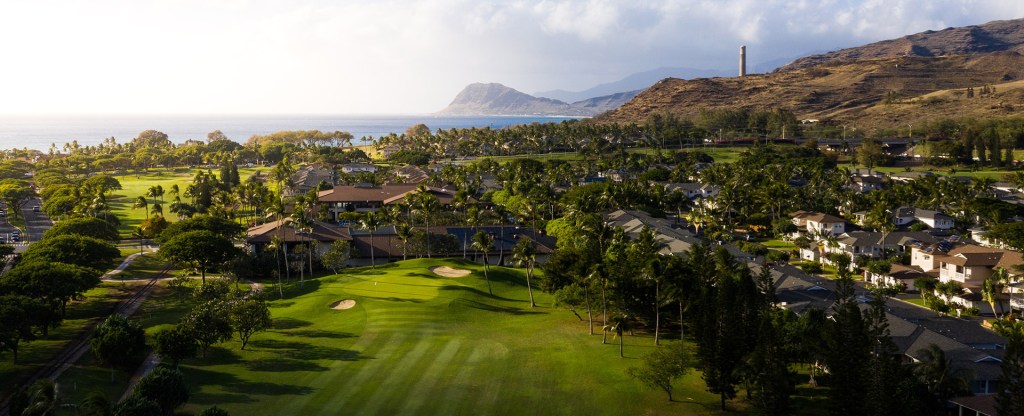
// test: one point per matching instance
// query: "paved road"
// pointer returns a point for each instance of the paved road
(36, 223)
(5, 226)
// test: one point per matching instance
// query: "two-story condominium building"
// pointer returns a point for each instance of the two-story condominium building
(933, 219)
(969, 265)
(818, 223)
(693, 190)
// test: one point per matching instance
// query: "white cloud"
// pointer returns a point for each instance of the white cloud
(395, 56)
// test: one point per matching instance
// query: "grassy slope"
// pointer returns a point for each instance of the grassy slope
(417, 343)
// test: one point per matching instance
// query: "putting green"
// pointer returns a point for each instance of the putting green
(417, 343)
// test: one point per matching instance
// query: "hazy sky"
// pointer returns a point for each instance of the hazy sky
(405, 57)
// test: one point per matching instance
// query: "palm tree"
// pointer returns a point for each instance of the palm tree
(370, 223)
(95, 404)
(426, 204)
(935, 372)
(141, 202)
(404, 233)
(484, 243)
(990, 288)
(525, 253)
(1004, 277)
(157, 209)
(619, 324)
(275, 244)
(140, 234)
(43, 398)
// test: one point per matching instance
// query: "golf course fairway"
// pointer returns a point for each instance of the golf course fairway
(405, 340)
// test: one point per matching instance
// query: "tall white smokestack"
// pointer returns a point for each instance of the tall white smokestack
(743, 60)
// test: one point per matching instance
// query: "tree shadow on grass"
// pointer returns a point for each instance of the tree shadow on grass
(274, 304)
(289, 323)
(296, 288)
(283, 365)
(320, 333)
(502, 309)
(305, 351)
(231, 384)
(479, 292)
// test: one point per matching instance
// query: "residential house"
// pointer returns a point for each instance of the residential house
(969, 265)
(693, 190)
(291, 235)
(866, 244)
(412, 174)
(817, 223)
(674, 238)
(968, 347)
(367, 198)
(865, 184)
(909, 176)
(309, 177)
(906, 216)
(353, 168)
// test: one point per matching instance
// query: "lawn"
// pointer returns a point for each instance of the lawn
(417, 343)
(134, 186)
(779, 244)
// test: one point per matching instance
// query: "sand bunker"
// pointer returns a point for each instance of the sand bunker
(449, 272)
(343, 304)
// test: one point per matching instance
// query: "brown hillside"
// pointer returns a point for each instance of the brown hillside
(997, 36)
(880, 92)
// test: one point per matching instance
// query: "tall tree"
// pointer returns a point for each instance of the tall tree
(620, 324)
(370, 223)
(483, 242)
(118, 342)
(165, 386)
(17, 317)
(249, 315)
(1010, 399)
(661, 367)
(202, 249)
(525, 253)
(849, 349)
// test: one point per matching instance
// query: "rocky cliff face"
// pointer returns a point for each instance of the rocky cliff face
(497, 99)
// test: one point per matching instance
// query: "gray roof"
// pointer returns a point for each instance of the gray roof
(970, 347)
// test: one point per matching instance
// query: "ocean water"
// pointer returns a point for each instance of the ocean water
(39, 131)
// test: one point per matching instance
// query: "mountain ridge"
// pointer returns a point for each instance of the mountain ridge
(878, 86)
(994, 36)
(497, 99)
(632, 82)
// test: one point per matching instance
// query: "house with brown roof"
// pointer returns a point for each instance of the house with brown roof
(969, 265)
(309, 177)
(818, 223)
(288, 232)
(412, 174)
(368, 198)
